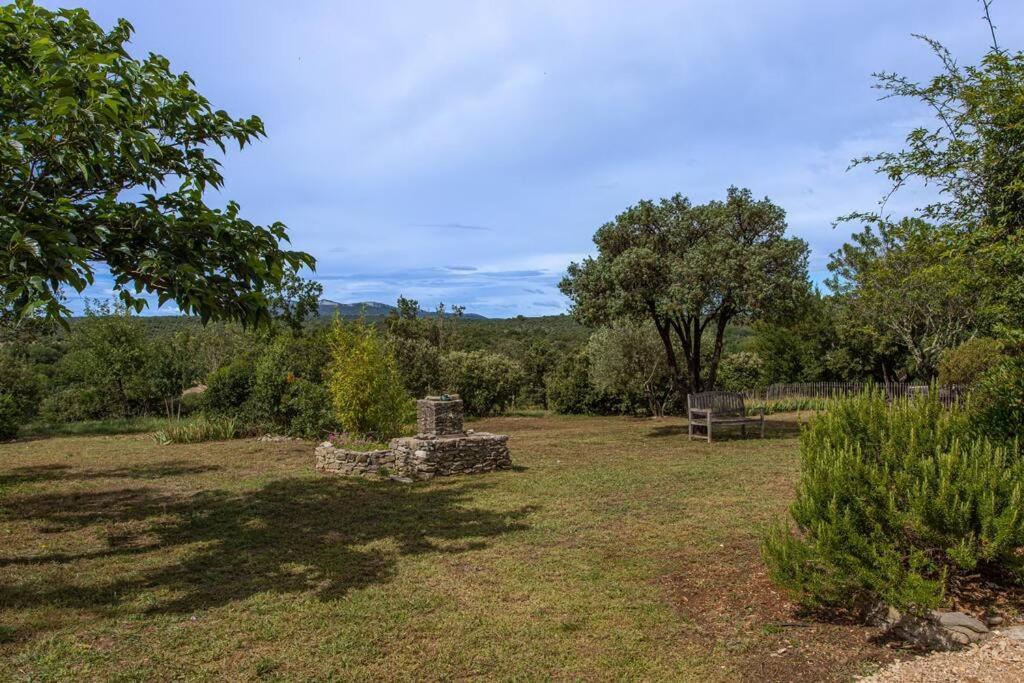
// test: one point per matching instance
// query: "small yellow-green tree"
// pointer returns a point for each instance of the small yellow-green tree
(366, 388)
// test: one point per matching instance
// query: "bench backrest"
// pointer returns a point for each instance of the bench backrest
(723, 403)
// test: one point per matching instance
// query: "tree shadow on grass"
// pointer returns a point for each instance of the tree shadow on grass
(40, 473)
(322, 536)
(773, 429)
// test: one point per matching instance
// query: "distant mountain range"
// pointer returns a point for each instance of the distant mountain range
(372, 309)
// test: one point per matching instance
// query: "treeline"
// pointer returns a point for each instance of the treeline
(112, 364)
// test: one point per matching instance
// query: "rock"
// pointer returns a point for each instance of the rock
(932, 631)
(401, 480)
(1012, 632)
(994, 620)
(954, 619)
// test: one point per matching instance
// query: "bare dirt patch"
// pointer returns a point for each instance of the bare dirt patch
(727, 597)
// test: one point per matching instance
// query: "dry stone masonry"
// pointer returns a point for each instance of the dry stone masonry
(441, 448)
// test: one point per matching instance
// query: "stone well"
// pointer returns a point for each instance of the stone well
(441, 448)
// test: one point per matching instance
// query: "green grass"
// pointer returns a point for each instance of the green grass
(614, 550)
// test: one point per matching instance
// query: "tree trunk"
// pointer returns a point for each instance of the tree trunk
(716, 354)
(670, 352)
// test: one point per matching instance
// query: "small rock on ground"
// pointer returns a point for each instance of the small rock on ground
(999, 660)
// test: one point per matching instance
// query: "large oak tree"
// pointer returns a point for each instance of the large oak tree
(691, 270)
(105, 159)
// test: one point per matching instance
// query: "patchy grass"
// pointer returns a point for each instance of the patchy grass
(615, 549)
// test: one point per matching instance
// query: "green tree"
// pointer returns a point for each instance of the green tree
(105, 158)
(691, 270)
(294, 300)
(902, 282)
(486, 382)
(366, 389)
(627, 360)
(107, 369)
(973, 154)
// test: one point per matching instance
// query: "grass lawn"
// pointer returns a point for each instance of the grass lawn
(615, 549)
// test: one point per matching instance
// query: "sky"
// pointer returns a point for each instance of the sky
(465, 152)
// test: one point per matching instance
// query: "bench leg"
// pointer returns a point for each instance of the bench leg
(689, 427)
(743, 431)
(762, 426)
(709, 428)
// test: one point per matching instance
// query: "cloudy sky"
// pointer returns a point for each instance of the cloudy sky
(465, 152)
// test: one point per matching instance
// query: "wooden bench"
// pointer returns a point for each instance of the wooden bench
(719, 408)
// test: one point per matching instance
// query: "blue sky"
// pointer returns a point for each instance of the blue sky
(465, 152)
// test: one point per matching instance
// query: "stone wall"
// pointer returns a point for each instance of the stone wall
(427, 457)
(420, 458)
(353, 463)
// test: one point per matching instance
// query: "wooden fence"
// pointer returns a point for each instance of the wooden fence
(894, 390)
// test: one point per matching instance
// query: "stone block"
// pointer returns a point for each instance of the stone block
(436, 416)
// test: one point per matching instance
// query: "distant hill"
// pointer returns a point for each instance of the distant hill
(372, 309)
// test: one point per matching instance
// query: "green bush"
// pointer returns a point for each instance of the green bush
(965, 364)
(486, 382)
(10, 418)
(740, 371)
(22, 385)
(896, 503)
(228, 387)
(309, 410)
(570, 391)
(365, 387)
(996, 403)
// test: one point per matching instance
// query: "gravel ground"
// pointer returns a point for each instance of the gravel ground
(998, 660)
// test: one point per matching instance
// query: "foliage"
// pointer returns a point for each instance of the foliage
(364, 383)
(964, 364)
(901, 283)
(486, 382)
(308, 409)
(198, 430)
(996, 403)
(973, 156)
(106, 370)
(627, 360)
(741, 371)
(896, 503)
(691, 270)
(21, 385)
(293, 300)
(106, 158)
(10, 417)
(228, 388)
(570, 391)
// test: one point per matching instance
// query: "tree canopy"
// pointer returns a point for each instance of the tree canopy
(691, 270)
(105, 158)
(973, 154)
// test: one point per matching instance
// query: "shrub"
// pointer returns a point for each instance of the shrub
(198, 430)
(570, 391)
(364, 384)
(486, 382)
(996, 404)
(23, 386)
(896, 503)
(419, 365)
(628, 360)
(309, 411)
(228, 387)
(10, 418)
(965, 364)
(739, 371)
